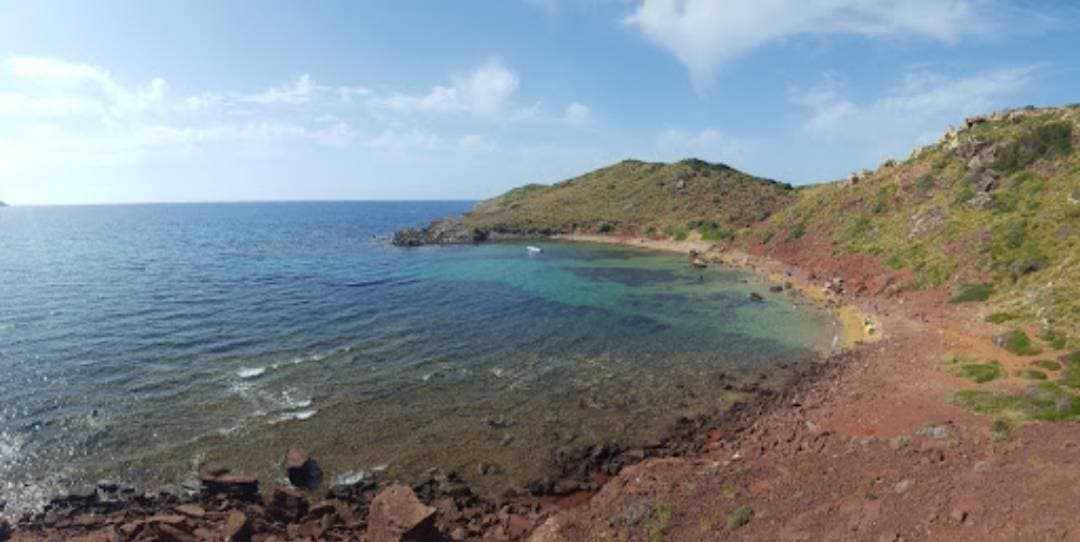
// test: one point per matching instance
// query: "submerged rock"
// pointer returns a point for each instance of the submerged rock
(302, 469)
(754, 296)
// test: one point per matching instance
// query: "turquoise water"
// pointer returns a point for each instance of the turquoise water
(141, 343)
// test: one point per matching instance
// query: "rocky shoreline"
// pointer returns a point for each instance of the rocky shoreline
(441, 506)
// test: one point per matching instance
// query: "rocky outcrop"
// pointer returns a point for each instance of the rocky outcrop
(445, 231)
(222, 482)
(397, 515)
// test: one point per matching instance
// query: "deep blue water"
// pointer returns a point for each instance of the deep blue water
(143, 342)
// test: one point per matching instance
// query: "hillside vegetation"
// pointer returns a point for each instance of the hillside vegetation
(638, 198)
(990, 213)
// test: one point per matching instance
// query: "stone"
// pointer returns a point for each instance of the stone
(237, 526)
(102, 535)
(167, 519)
(958, 515)
(754, 296)
(234, 485)
(982, 466)
(698, 262)
(485, 468)
(397, 515)
(168, 533)
(287, 505)
(902, 485)
(518, 526)
(550, 531)
(301, 469)
(130, 528)
(191, 511)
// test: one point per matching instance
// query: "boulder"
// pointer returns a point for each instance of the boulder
(397, 515)
(237, 526)
(697, 262)
(191, 511)
(754, 296)
(301, 469)
(233, 485)
(286, 505)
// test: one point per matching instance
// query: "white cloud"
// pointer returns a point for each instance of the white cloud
(59, 85)
(708, 144)
(71, 115)
(487, 90)
(302, 91)
(707, 34)
(413, 139)
(577, 114)
(913, 112)
(476, 142)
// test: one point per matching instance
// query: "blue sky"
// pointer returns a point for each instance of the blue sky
(117, 101)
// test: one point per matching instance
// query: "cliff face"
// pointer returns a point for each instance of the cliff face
(989, 212)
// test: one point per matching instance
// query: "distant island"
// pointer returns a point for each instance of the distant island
(2, 204)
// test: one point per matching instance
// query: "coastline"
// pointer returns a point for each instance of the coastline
(877, 412)
(851, 318)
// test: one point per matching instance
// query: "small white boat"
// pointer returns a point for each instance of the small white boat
(534, 250)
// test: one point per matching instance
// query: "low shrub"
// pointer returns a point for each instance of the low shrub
(796, 231)
(1017, 342)
(1043, 401)
(980, 372)
(1000, 317)
(1048, 364)
(972, 292)
(740, 517)
(1054, 339)
(1030, 374)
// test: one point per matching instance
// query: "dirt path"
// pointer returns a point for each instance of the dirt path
(875, 451)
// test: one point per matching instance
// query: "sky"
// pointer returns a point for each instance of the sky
(133, 101)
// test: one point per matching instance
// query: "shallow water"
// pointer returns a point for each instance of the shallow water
(139, 343)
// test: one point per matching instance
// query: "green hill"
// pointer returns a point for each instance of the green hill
(991, 212)
(640, 198)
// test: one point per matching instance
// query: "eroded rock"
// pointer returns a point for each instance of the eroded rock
(397, 515)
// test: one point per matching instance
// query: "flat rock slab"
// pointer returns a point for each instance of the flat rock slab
(397, 515)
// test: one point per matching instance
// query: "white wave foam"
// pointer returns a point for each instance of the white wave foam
(10, 447)
(288, 402)
(291, 416)
(350, 477)
(250, 372)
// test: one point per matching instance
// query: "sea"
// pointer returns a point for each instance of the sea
(142, 343)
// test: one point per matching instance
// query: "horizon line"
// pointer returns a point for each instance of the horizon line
(12, 205)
